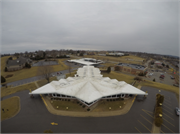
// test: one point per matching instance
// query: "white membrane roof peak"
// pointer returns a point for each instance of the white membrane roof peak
(89, 86)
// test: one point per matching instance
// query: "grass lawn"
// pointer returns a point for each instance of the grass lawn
(12, 104)
(104, 105)
(72, 105)
(124, 59)
(26, 72)
(71, 75)
(11, 90)
(162, 86)
(44, 82)
(119, 76)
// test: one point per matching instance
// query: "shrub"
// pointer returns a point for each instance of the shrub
(48, 131)
(154, 80)
(109, 69)
(158, 121)
(138, 78)
(122, 98)
(161, 99)
(88, 109)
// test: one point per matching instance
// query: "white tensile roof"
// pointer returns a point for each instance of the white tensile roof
(86, 61)
(88, 86)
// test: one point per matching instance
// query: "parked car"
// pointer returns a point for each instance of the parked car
(176, 85)
(177, 110)
(172, 77)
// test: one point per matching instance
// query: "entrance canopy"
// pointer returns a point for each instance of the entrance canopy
(88, 86)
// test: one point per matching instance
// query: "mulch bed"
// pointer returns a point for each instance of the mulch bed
(10, 75)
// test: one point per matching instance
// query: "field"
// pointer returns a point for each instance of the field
(44, 82)
(124, 59)
(11, 107)
(11, 90)
(104, 105)
(26, 72)
(72, 105)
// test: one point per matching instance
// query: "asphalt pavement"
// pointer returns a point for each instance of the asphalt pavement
(35, 118)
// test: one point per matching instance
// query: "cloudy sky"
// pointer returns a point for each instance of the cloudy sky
(150, 26)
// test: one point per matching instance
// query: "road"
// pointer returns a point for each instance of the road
(35, 118)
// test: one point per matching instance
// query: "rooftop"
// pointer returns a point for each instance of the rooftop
(134, 66)
(89, 86)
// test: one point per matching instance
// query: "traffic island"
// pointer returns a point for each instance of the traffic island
(10, 107)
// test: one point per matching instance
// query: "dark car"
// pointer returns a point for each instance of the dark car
(177, 110)
(162, 77)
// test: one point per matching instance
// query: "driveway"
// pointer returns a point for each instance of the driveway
(35, 118)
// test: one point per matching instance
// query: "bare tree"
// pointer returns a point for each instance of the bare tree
(45, 71)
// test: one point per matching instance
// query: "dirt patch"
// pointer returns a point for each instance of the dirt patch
(10, 75)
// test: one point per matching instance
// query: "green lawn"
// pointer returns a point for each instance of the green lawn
(44, 81)
(124, 59)
(12, 104)
(72, 105)
(104, 105)
(26, 72)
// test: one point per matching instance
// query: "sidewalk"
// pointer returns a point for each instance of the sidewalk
(88, 113)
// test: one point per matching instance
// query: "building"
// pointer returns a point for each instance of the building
(88, 86)
(87, 61)
(130, 68)
(115, 54)
(17, 64)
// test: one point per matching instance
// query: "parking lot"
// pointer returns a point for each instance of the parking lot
(145, 117)
(155, 75)
(138, 120)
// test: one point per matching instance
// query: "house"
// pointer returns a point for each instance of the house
(17, 64)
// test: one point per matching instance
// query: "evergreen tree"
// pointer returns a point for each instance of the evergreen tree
(109, 69)
(6, 69)
(3, 79)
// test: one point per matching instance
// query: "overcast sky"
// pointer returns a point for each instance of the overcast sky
(128, 26)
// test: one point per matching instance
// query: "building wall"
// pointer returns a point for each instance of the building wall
(130, 70)
(14, 68)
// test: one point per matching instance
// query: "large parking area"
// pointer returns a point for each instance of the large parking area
(155, 75)
(34, 117)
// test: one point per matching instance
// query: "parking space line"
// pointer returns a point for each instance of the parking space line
(148, 113)
(146, 119)
(137, 130)
(167, 100)
(162, 131)
(168, 122)
(168, 116)
(168, 111)
(167, 107)
(167, 103)
(167, 128)
(144, 126)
